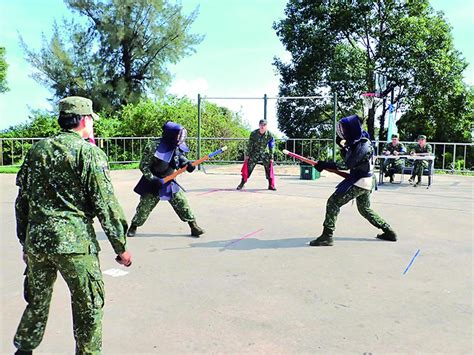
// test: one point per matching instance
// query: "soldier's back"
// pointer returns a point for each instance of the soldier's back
(60, 213)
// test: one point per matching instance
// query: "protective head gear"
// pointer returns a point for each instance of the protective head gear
(350, 129)
(173, 136)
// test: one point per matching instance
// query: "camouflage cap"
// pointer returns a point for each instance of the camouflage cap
(77, 105)
(394, 135)
(421, 136)
(264, 122)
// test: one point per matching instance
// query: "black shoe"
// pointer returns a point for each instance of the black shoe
(324, 240)
(272, 188)
(241, 185)
(23, 352)
(411, 180)
(132, 231)
(196, 231)
(391, 179)
(388, 235)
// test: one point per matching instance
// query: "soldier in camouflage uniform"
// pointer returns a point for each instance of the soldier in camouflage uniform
(392, 166)
(259, 149)
(422, 148)
(357, 152)
(63, 184)
(160, 159)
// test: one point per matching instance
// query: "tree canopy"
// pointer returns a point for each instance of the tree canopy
(3, 71)
(339, 46)
(116, 51)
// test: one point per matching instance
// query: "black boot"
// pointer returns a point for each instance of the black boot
(388, 234)
(391, 178)
(241, 185)
(324, 240)
(196, 231)
(132, 231)
(23, 352)
(418, 182)
(411, 180)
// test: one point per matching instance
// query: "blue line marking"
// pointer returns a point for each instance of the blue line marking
(411, 262)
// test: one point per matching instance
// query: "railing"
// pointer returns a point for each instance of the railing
(122, 150)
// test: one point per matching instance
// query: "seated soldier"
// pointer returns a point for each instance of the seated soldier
(393, 165)
(421, 149)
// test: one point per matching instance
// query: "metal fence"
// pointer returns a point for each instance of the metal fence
(122, 150)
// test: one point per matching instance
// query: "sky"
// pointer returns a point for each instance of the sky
(234, 59)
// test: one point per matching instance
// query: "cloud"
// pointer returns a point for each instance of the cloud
(190, 88)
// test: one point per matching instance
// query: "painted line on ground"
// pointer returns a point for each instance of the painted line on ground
(209, 192)
(244, 237)
(411, 262)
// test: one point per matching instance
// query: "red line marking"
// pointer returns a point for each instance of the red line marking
(209, 192)
(245, 236)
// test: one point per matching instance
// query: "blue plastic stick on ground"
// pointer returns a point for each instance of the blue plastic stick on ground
(411, 262)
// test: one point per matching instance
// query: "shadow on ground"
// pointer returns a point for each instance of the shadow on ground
(254, 243)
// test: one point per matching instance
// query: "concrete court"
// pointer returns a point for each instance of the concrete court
(269, 292)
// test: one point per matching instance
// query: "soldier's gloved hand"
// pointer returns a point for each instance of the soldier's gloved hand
(325, 165)
(124, 259)
(190, 167)
(182, 161)
(157, 180)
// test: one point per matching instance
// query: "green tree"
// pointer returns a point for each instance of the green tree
(3, 71)
(117, 52)
(338, 46)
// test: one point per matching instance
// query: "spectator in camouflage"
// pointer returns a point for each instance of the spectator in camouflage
(63, 184)
(422, 148)
(390, 165)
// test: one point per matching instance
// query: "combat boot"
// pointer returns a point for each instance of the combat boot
(241, 185)
(411, 180)
(388, 234)
(23, 352)
(391, 179)
(196, 231)
(324, 240)
(132, 231)
(418, 182)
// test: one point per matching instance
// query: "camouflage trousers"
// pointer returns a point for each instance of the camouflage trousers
(148, 202)
(84, 279)
(418, 167)
(392, 166)
(253, 161)
(362, 197)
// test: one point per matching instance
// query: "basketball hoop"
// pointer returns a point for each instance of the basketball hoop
(368, 98)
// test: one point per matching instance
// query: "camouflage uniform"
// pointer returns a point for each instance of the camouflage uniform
(362, 196)
(259, 150)
(392, 166)
(63, 184)
(359, 183)
(420, 165)
(149, 201)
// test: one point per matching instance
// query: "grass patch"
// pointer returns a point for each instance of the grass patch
(124, 166)
(9, 169)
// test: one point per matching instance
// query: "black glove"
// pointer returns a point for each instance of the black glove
(190, 167)
(156, 180)
(325, 165)
(182, 161)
